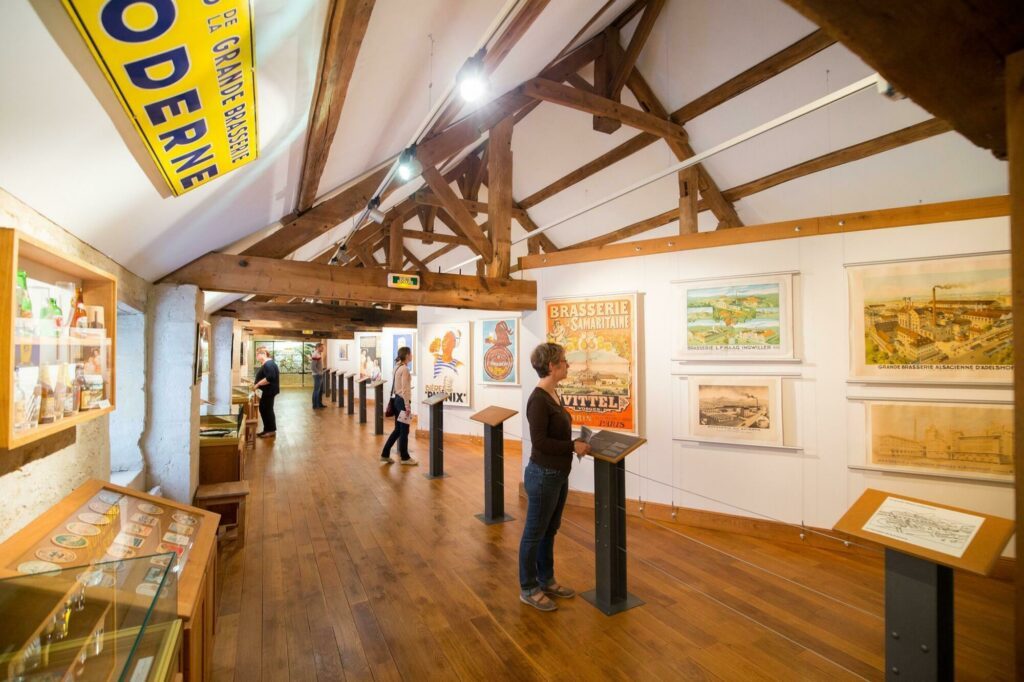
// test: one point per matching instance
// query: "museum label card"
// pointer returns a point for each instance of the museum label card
(935, 528)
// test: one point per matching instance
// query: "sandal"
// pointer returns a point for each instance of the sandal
(556, 590)
(539, 601)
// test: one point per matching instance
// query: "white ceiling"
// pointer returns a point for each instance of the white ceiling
(67, 150)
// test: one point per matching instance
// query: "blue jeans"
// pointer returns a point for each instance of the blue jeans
(400, 434)
(546, 490)
(318, 390)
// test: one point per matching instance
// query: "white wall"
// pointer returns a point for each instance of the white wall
(221, 351)
(813, 485)
(129, 419)
(456, 419)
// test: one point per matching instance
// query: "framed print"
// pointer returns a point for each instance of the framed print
(954, 439)
(500, 358)
(599, 334)
(943, 320)
(739, 318)
(343, 351)
(447, 362)
(404, 339)
(731, 409)
(369, 356)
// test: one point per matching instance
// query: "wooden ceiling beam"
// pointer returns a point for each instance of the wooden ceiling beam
(324, 313)
(277, 277)
(430, 237)
(458, 212)
(688, 208)
(946, 55)
(428, 198)
(427, 216)
(624, 65)
(499, 197)
(605, 68)
(294, 335)
(343, 36)
(415, 262)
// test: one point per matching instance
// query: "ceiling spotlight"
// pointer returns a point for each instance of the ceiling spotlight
(408, 165)
(341, 256)
(374, 212)
(472, 80)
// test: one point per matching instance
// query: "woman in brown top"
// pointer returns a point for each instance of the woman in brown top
(402, 395)
(546, 479)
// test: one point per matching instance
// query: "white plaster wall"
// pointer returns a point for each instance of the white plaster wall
(344, 366)
(221, 341)
(456, 419)
(171, 443)
(129, 419)
(815, 485)
(241, 345)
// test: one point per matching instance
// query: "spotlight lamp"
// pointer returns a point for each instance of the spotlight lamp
(472, 80)
(408, 165)
(374, 212)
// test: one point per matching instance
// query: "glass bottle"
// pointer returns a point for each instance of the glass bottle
(24, 303)
(79, 316)
(49, 319)
(47, 406)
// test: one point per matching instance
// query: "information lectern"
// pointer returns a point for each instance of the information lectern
(436, 406)
(362, 399)
(351, 376)
(609, 450)
(334, 386)
(924, 542)
(378, 407)
(493, 419)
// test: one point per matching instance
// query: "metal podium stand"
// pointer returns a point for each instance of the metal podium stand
(362, 399)
(351, 376)
(378, 407)
(493, 419)
(436, 403)
(611, 595)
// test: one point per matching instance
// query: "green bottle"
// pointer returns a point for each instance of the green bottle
(50, 316)
(24, 311)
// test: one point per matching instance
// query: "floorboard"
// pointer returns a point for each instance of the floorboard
(354, 571)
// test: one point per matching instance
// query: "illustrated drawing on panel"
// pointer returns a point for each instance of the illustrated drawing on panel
(942, 320)
(447, 353)
(599, 334)
(500, 364)
(744, 410)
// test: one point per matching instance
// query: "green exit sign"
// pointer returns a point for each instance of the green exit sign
(403, 281)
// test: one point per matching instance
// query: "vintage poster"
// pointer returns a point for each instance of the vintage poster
(599, 334)
(737, 318)
(941, 320)
(941, 530)
(447, 362)
(500, 358)
(369, 357)
(404, 340)
(954, 439)
(343, 350)
(743, 410)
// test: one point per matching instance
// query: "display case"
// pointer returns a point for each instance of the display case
(101, 525)
(221, 447)
(112, 620)
(62, 317)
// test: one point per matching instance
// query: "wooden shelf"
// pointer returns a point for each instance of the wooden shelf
(61, 341)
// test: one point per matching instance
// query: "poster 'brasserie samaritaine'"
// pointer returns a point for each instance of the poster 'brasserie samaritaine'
(599, 336)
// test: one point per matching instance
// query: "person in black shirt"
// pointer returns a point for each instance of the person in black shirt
(546, 479)
(268, 381)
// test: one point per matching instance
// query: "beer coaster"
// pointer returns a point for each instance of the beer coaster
(61, 556)
(154, 574)
(168, 547)
(148, 508)
(93, 518)
(147, 589)
(129, 540)
(110, 497)
(145, 519)
(175, 538)
(99, 507)
(137, 529)
(96, 579)
(120, 552)
(79, 528)
(69, 540)
(34, 567)
(185, 519)
(181, 528)
(162, 560)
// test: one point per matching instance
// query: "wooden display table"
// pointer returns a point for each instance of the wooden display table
(924, 542)
(228, 500)
(378, 407)
(436, 404)
(128, 509)
(609, 450)
(493, 419)
(221, 457)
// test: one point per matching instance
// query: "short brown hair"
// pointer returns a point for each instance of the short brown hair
(265, 351)
(544, 355)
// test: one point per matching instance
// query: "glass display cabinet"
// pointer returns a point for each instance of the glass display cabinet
(62, 317)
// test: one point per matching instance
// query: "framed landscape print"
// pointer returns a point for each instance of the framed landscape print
(735, 319)
(404, 339)
(369, 357)
(500, 359)
(962, 440)
(599, 334)
(446, 361)
(944, 320)
(742, 410)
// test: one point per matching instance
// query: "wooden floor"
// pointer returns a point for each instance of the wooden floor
(351, 570)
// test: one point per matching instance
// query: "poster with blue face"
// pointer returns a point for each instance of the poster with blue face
(406, 339)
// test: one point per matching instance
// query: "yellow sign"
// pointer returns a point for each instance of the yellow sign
(184, 72)
(397, 281)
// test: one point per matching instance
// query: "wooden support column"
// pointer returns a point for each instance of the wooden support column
(605, 67)
(427, 214)
(688, 182)
(499, 196)
(396, 254)
(1015, 154)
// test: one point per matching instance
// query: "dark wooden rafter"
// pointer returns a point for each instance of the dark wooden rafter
(319, 313)
(454, 207)
(605, 68)
(689, 181)
(624, 65)
(415, 262)
(499, 197)
(946, 55)
(343, 36)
